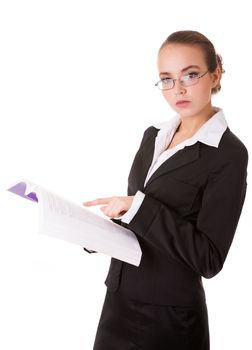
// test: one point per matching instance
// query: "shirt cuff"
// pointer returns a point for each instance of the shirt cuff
(136, 203)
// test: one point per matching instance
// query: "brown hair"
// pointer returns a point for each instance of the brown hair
(191, 37)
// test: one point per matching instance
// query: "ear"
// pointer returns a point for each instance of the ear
(216, 75)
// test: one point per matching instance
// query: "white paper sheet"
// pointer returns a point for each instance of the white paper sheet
(64, 219)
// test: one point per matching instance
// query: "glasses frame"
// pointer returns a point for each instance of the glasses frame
(180, 81)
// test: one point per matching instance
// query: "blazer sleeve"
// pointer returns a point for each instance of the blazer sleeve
(201, 244)
(89, 250)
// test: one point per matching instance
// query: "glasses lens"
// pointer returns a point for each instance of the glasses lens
(189, 79)
(165, 84)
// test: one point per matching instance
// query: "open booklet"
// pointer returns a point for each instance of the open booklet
(64, 219)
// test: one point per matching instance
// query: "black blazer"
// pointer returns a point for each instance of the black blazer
(187, 221)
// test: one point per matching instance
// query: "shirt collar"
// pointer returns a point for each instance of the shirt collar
(209, 133)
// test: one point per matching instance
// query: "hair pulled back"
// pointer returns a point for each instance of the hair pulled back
(191, 37)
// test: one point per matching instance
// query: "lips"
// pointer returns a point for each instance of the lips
(181, 103)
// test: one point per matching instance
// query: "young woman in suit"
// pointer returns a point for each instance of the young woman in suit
(186, 189)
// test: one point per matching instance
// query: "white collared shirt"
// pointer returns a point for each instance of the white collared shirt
(209, 133)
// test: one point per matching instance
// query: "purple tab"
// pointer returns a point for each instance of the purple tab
(20, 189)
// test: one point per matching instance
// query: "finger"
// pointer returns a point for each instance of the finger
(97, 201)
(103, 209)
(112, 210)
(106, 210)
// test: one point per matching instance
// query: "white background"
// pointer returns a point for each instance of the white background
(77, 91)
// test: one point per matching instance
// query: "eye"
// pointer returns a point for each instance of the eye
(190, 76)
(166, 81)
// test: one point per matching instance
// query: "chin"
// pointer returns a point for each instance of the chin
(188, 112)
(184, 113)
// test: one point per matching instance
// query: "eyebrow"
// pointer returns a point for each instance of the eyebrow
(183, 70)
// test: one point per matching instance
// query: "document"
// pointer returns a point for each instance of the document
(72, 222)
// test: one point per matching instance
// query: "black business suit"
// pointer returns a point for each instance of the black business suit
(185, 227)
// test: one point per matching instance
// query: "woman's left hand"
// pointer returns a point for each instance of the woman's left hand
(115, 206)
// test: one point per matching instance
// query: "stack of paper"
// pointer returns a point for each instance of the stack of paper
(64, 219)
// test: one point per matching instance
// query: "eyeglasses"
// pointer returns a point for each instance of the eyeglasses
(186, 80)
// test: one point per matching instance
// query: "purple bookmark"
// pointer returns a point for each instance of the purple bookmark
(20, 189)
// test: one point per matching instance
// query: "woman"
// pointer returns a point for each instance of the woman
(186, 190)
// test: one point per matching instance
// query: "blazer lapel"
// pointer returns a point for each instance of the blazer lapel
(141, 164)
(184, 156)
(148, 154)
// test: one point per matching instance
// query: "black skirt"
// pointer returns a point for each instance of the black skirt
(132, 325)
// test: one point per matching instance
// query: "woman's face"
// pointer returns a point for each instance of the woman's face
(178, 60)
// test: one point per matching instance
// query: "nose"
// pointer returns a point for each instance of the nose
(179, 89)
